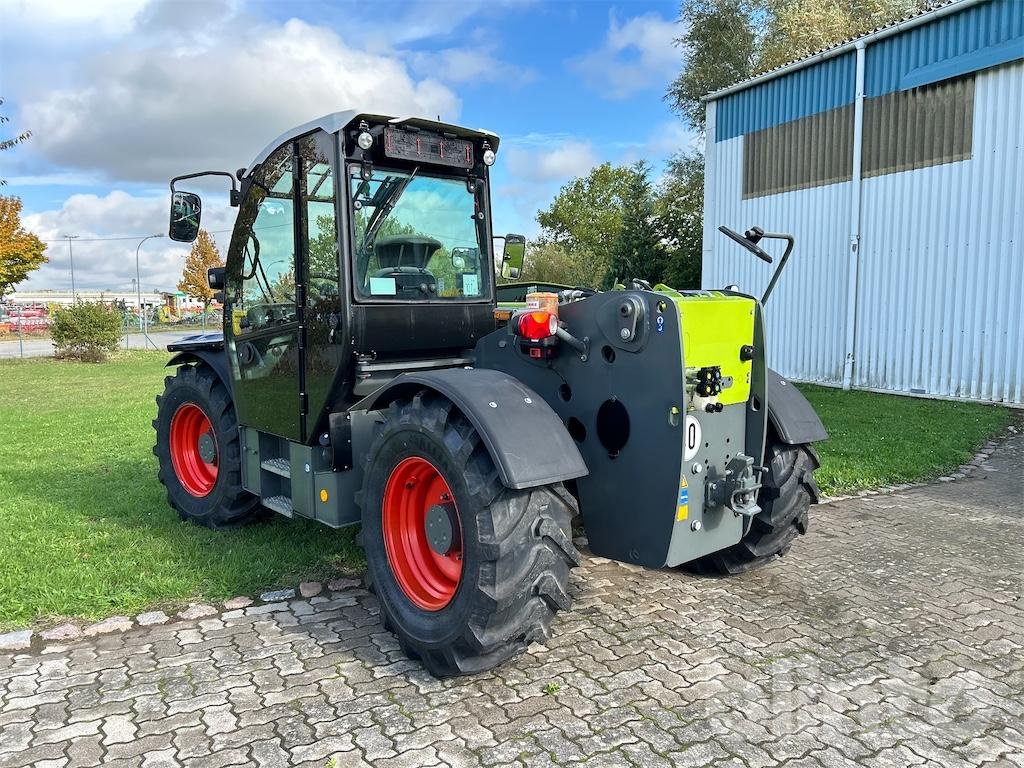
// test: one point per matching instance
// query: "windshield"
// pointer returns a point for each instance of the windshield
(417, 238)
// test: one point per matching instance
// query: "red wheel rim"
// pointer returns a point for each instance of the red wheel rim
(189, 425)
(427, 578)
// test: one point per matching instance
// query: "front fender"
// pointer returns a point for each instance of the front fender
(216, 359)
(523, 435)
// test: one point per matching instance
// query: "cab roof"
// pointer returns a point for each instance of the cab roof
(339, 121)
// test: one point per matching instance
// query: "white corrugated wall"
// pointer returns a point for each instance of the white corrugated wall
(941, 277)
(805, 317)
(940, 295)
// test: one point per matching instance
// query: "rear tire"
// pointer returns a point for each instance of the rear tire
(515, 546)
(209, 493)
(788, 489)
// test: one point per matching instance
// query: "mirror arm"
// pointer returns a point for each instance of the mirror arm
(782, 262)
(235, 199)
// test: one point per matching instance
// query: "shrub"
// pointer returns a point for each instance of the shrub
(87, 331)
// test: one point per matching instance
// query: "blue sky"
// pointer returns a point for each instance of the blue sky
(122, 94)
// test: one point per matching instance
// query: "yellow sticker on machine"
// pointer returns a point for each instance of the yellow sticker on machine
(683, 505)
(714, 326)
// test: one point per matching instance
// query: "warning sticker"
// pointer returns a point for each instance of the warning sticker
(683, 505)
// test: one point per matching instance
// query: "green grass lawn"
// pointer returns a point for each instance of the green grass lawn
(86, 526)
(87, 531)
(877, 440)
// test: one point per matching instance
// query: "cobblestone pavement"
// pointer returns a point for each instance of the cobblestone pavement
(892, 635)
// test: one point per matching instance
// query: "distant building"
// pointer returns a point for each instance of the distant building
(177, 303)
(897, 161)
(65, 298)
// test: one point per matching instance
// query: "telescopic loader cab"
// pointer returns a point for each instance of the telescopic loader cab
(365, 374)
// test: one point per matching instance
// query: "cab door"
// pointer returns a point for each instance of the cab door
(262, 324)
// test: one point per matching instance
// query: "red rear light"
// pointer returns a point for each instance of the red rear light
(537, 325)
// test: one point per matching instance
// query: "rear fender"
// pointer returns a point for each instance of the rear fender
(793, 418)
(523, 435)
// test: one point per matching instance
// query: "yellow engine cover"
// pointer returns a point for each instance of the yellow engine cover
(714, 327)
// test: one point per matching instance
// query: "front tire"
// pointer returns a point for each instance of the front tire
(428, 466)
(788, 489)
(198, 449)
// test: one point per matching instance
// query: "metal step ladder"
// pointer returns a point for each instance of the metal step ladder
(276, 485)
(280, 504)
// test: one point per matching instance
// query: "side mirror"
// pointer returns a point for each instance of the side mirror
(513, 256)
(186, 213)
(215, 278)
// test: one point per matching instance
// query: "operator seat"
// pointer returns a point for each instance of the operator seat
(405, 258)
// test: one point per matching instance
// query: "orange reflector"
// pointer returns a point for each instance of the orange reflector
(323, 495)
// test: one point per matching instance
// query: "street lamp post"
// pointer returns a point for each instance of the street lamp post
(71, 256)
(138, 288)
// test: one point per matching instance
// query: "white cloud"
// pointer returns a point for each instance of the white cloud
(149, 108)
(101, 16)
(469, 65)
(636, 55)
(110, 264)
(558, 162)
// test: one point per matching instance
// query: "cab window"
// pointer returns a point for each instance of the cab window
(417, 237)
(265, 295)
(321, 229)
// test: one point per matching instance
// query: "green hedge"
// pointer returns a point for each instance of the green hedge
(87, 331)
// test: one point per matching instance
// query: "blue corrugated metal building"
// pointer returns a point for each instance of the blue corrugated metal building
(897, 160)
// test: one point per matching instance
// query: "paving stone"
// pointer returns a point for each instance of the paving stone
(62, 632)
(877, 641)
(277, 595)
(197, 611)
(310, 588)
(118, 730)
(113, 624)
(339, 585)
(15, 641)
(152, 618)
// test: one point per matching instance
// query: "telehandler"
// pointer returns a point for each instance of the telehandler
(365, 374)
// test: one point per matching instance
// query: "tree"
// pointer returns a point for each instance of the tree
(796, 28)
(202, 257)
(11, 142)
(637, 252)
(730, 40)
(21, 252)
(720, 48)
(550, 263)
(585, 217)
(679, 207)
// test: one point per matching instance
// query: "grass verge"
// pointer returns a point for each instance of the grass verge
(87, 531)
(877, 440)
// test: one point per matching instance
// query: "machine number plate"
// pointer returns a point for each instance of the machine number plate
(691, 438)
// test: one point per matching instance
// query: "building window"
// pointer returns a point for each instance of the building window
(808, 152)
(903, 131)
(920, 127)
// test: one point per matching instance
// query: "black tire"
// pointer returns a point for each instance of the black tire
(227, 504)
(517, 548)
(788, 489)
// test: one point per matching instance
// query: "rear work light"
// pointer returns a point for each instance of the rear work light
(537, 325)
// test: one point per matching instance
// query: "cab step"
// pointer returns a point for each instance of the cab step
(280, 504)
(280, 467)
